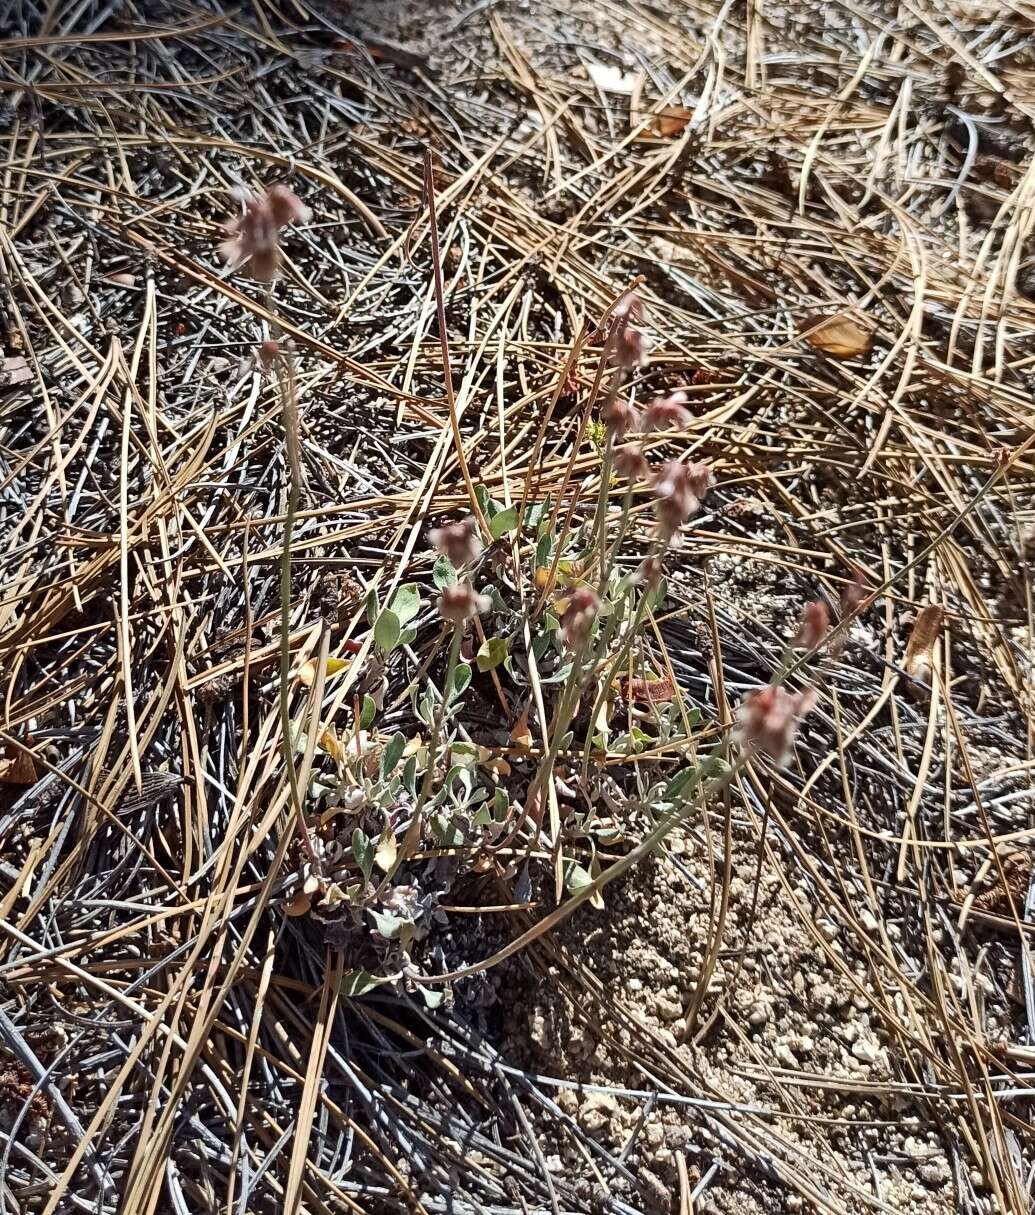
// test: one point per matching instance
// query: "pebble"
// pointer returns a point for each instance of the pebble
(865, 1050)
(758, 1014)
(936, 1172)
(597, 1111)
(785, 1055)
(667, 1009)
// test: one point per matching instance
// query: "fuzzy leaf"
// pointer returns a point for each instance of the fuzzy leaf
(366, 713)
(359, 982)
(443, 574)
(387, 630)
(392, 753)
(406, 602)
(387, 925)
(461, 679)
(504, 522)
(385, 854)
(500, 805)
(363, 851)
(575, 877)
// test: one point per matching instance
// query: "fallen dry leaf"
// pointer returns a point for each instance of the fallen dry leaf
(17, 769)
(840, 336)
(919, 657)
(668, 122)
(521, 735)
(307, 671)
(495, 765)
(330, 744)
(299, 905)
(647, 691)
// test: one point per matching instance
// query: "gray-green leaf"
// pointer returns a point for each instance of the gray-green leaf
(461, 679)
(387, 630)
(575, 877)
(392, 753)
(504, 522)
(363, 851)
(406, 602)
(443, 574)
(358, 982)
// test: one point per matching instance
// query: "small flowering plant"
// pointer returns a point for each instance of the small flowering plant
(253, 237)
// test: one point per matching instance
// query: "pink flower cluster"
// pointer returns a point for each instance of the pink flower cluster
(253, 243)
(768, 720)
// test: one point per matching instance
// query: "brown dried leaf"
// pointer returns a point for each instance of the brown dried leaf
(920, 648)
(521, 735)
(299, 905)
(647, 691)
(840, 336)
(18, 769)
(670, 121)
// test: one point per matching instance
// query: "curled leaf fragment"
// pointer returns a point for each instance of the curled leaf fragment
(841, 336)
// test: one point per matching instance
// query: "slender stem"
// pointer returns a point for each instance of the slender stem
(440, 717)
(289, 420)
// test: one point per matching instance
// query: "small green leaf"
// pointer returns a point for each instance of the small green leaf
(534, 514)
(447, 833)
(489, 508)
(543, 550)
(443, 574)
(406, 602)
(658, 595)
(392, 753)
(575, 877)
(372, 605)
(408, 636)
(461, 680)
(363, 851)
(431, 997)
(558, 676)
(464, 755)
(504, 522)
(500, 805)
(359, 982)
(409, 776)
(497, 601)
(491, 653)
(387, 925)
(366, 714)
(714, 767)
(682, 783)
(387, 630)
